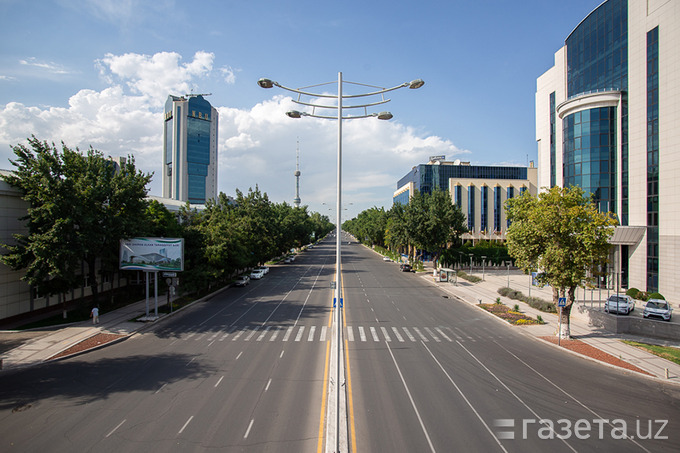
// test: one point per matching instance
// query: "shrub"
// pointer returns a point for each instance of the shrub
(633, 292)
(516, 308)
(539, 318)
(655, 296)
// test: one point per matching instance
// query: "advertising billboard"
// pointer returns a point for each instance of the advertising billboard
(152, 254)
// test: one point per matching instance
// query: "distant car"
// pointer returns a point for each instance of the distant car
(288, 260)
(264, 269)
(242, 280)
(406, 267)
(386, 258)
(619, 303)
(658, 308)
(256, 274)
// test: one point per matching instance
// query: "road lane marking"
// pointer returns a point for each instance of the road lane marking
(362, 333)
(350, 333)
(397, 334)
(236, 337)
(374, 334)
(239, 355)
(432, 334)
(186, 424)
(268, 384)
(420, 334)
(275, 334)
(312, 330)
(408, 334)
(288, 332)
(250, 425)
(161, 388)
(460, 392)
(189, 362)
(299, 334)
(114, 429)
(385, 334)
(264, 332)
(324, 331)
(413, 403)
(443, 334)
(218, 382)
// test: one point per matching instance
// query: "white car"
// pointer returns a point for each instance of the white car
(242, 280)
(658, 307)
(619, 303)
(264, 269)
(386, 258)
(256, 274)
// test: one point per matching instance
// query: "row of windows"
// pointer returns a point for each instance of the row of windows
(652, 159)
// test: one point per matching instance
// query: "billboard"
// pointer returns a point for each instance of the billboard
(152, 254)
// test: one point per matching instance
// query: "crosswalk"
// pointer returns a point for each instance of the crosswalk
(352, 333)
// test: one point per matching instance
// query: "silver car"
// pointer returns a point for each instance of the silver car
(658, 308)
(619, 303)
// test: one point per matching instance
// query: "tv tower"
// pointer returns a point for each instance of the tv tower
(296, 200)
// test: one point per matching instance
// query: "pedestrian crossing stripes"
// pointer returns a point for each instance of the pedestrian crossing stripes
(353, 334)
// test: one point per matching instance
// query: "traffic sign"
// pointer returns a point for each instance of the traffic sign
(169, 274)
(562, 302)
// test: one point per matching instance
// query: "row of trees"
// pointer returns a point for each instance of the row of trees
(82, 204)
(560, 233)
(429, 222)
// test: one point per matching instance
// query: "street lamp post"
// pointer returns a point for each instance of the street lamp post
(483, 259)
(314, 103)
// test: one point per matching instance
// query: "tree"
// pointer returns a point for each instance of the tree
(561, 234)
(80, 206)
(433, 222)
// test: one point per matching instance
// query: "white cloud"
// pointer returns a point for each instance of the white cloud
(257, 145)
(50, 67)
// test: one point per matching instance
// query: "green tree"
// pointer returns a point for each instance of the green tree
(561, 234)
(396, 233)
(80, 206)
(433, 222)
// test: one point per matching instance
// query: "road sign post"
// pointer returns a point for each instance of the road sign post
(561, 303)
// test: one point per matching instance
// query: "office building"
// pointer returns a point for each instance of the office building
(480, 191)
(608, 120)
(190, 149)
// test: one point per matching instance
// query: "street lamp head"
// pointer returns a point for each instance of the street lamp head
(265, 83)
(384, 116)
(415, 84)
(294, 114)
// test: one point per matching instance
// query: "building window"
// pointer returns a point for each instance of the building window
(553, 171)
(511, 194)
(653, 159)
(483, 224)
(471, 208)
(458, 196)
(497, 209)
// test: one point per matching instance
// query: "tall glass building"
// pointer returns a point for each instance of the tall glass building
(607, 116)
(190, 149)
(479, 191)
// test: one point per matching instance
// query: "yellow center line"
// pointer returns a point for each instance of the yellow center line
(350, 401)
(324, 393)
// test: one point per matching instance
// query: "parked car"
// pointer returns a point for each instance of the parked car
(658, 308)
(264, 269)
(405, 267)
(386, 258)
(256, 274)
(288, 260)
(242, 280)
(619, 303)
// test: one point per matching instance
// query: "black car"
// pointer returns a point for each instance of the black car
(405, 267)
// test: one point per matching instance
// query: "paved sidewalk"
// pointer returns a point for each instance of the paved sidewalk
(60, 338)
(580, 328)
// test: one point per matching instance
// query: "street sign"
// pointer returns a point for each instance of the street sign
(562, 302)
(169, 274)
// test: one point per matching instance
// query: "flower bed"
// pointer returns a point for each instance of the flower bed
(513, 317)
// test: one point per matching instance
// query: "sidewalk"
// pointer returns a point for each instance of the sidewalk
(60, 338)
(607, 342)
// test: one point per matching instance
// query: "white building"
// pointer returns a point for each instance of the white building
(608, 120)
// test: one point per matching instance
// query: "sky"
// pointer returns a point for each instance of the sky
(98, 72)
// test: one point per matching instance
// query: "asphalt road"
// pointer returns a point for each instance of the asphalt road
(245, 371)
(435, 374)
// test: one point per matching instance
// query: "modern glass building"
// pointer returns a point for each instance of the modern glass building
(607, 116)
(480, 191)
(190, 149)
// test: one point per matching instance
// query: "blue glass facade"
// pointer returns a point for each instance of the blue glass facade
(458, 196)
(497, 208)
(402, 198)
(484, 218)
(553, 144)
(198, 147)
(596, 61)
(471, 208)
(427, 177)
(597, 50)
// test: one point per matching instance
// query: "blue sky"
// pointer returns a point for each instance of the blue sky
(97, 73)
